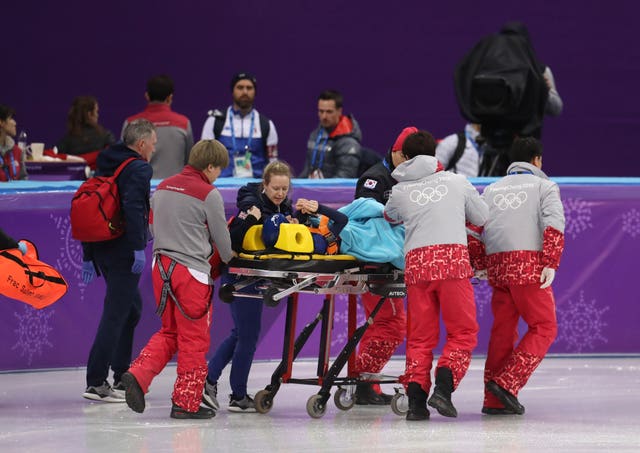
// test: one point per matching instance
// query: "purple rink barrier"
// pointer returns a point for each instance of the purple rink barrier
(598, 303)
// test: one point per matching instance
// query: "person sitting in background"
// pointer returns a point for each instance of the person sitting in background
(85, 137)
(11, 156)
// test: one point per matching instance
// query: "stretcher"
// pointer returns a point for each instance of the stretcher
(284, 276)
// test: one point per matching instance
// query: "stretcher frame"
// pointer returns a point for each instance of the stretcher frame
(276, 284)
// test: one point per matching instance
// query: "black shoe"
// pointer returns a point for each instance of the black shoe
(202, 413)
(133, 392)
(496, 411)
(365, 395)
(417, 402)
(386, 398)
(510, 402)
(441, 397)
(442, 403)
(416, 414)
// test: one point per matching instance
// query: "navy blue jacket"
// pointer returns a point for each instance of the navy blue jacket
(134, 186)
(251, 195)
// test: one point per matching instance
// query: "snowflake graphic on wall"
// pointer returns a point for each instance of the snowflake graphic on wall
(33, 332)
(577, 214)
(482, 291)
(580, 324)
(631, 223)
(70, 251)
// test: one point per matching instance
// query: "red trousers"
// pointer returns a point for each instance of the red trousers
(382, 337)
(510, 366)
(189, 338)
(426, 301)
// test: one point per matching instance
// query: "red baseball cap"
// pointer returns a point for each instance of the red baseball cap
(397, 146)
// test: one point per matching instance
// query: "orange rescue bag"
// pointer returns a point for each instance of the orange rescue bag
(29, 280)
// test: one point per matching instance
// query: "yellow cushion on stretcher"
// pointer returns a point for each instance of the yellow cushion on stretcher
(294, 237)
(253, 239)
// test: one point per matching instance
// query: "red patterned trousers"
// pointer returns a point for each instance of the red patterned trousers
(381, 339)
(510, 366)
(426, 301)
(189, 338)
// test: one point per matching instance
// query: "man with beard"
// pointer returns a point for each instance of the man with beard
(249, 136)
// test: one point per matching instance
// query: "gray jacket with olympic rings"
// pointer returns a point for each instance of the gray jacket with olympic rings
(521, 207)
(433, 205)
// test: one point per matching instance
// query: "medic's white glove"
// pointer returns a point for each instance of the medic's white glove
(480, 274)
(547, 276)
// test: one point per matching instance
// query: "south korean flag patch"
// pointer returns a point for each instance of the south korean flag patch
(370, 184)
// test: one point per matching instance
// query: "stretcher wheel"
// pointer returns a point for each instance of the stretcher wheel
(226, 293)
(263, 401)
(343, 399)
(267, 296)
(315, 407)
(400, 403)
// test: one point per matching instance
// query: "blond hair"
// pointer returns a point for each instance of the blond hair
(276, 168)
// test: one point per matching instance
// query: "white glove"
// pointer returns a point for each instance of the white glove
(480, 274)
(547, 276)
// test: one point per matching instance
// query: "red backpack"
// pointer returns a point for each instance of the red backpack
(95, 208)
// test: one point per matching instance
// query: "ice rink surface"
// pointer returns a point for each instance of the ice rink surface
(572, 404)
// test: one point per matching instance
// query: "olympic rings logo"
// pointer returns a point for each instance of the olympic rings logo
(510, 200)
(428, 194)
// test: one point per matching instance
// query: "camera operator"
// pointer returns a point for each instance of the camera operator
(502, 85)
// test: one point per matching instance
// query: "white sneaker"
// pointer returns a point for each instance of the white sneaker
(210, 395)
(103, 393)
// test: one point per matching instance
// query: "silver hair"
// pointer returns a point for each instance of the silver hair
(137, 130)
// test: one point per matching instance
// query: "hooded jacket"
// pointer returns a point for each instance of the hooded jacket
(434, 207)
(525, 229)
(336, 152)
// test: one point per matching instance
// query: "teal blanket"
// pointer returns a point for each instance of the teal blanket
(369, 237)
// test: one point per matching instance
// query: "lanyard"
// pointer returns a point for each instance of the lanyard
(521, 172)
(315, 150)
(14, 167)
(473, 142)
(386, 164)
(233, 131)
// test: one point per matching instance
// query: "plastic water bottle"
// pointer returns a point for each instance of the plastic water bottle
(22, 143)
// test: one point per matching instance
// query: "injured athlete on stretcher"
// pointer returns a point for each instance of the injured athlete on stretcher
(318, 250)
